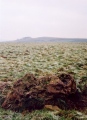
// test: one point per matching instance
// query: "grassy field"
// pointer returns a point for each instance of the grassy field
(41, 59)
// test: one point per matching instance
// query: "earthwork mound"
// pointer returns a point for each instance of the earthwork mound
(30, 93)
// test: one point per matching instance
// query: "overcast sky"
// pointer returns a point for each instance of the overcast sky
(36, 18)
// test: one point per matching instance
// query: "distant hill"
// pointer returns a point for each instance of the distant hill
(50, 39)
(47, 39)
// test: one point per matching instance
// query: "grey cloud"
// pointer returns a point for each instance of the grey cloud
(56, 18)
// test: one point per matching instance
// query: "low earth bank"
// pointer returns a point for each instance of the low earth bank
(31, 93)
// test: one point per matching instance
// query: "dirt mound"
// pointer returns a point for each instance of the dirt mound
(29, 93)
(85, 90)
(4, 88)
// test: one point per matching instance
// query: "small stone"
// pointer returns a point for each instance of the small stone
(52, 108)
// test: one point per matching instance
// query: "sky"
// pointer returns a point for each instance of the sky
(38, 18)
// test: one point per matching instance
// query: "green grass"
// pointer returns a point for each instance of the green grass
(16, 60)
(19, 59)
(35, 115)
(42, 115)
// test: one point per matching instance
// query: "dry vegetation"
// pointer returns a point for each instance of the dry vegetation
(42, 59)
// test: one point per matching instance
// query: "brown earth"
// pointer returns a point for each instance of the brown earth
(30, 93)
(4, 88)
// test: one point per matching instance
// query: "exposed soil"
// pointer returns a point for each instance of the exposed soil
(30, 93)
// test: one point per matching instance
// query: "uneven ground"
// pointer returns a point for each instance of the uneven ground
(16, 60)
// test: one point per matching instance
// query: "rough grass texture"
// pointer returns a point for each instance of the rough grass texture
(44, 59)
